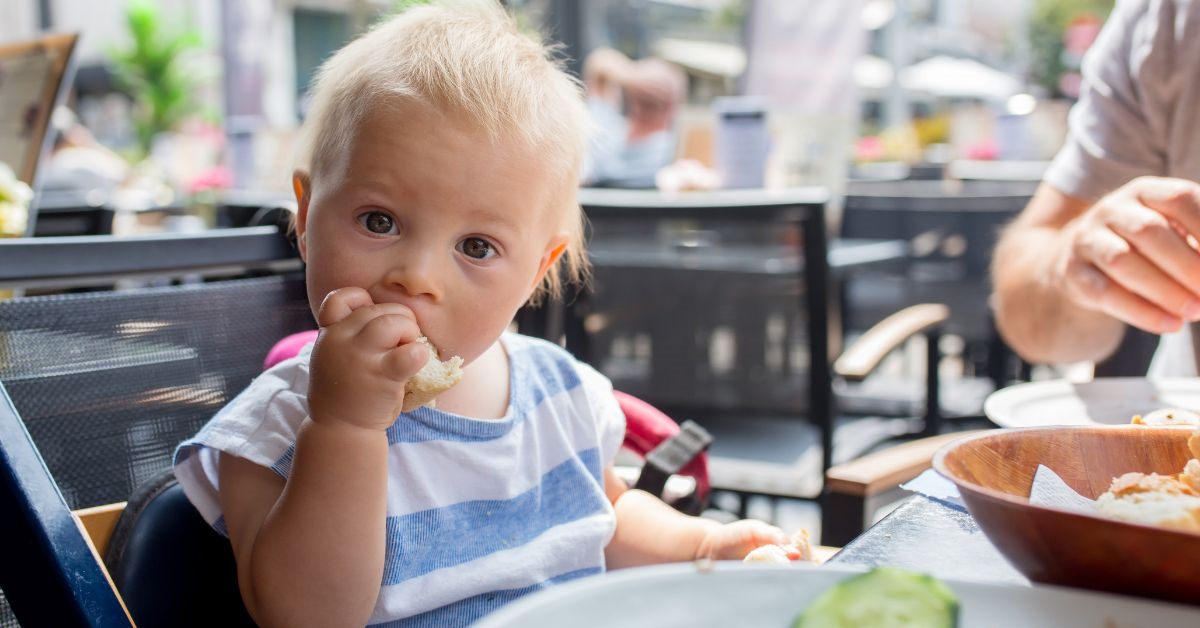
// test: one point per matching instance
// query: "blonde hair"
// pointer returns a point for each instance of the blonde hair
(466, 57)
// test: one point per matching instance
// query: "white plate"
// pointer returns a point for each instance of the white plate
(1104, 401)
(734, 594)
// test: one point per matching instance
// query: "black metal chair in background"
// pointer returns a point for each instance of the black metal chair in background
(952, 227)
(714, 307)
(73, 213)
(47, 62)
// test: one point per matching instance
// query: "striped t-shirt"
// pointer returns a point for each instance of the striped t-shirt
(480, 512)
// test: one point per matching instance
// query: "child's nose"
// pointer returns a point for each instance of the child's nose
(415, 274)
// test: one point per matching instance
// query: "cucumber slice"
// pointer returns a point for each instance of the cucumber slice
(884, 597)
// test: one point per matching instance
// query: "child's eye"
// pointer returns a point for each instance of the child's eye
(378, 223)
(476, 248)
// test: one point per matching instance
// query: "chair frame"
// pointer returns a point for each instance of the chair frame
(52, 575)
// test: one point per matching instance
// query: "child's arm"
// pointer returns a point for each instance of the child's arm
(310, 551)
(649, 531)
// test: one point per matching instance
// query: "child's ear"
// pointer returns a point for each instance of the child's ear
(302, 187)
(554, 250)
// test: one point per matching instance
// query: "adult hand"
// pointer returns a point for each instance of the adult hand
(1133, 255)
(362, 359)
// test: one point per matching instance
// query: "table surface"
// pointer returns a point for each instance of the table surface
(934, 537)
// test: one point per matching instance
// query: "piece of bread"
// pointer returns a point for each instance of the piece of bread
(1152, 499)
(1171, 501)
(1167, 416)
(798, 549)
(432, 380)
(768, 554)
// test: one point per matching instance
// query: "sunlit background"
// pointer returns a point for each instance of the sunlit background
(212, 92)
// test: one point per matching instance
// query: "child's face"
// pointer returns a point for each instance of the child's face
(436, 217)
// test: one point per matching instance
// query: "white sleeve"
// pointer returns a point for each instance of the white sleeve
(260, 425)
(1119, 128)
(610, 421)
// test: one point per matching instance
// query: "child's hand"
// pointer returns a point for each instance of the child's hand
(362, 359)
(732, 541)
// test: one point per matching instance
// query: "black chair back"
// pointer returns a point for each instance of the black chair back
(108, 383)
(952, 227)
(172, 567)
(712, 306)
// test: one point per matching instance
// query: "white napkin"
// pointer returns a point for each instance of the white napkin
(1050, 490)
(934, 486)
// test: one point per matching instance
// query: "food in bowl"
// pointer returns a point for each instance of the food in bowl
(1168, 416)
(1171, 501)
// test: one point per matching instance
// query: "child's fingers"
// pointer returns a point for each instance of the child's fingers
(404, 361)
(386, 327)
(757, 533)
(338, 304)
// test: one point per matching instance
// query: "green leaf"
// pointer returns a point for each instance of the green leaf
(150, 70)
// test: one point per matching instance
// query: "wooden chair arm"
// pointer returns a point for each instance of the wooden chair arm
(98, 522)
(865, 354)
(884, 470)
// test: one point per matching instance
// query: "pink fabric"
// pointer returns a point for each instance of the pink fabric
(647, 426)
(288, 347)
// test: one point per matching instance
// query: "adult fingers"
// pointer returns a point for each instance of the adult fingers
(1093, 288)
(1158, 239)
(1177, 199)
(1152, 271)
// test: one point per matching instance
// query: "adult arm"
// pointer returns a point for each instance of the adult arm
(1069, 275)
(1102, 244)
(605, 70)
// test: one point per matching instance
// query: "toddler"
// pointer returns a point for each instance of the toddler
(436, 194)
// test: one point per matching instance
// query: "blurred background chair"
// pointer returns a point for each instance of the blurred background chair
(72, 213)
(37, 73)
(713, 308)
(951, 227)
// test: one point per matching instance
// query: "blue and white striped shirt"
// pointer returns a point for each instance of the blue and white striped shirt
(479, 512)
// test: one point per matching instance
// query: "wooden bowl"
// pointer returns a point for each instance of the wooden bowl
(994, 472)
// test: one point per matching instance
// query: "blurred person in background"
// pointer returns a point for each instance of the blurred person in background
(78, 161)
(1110, 237)
(634, 105)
